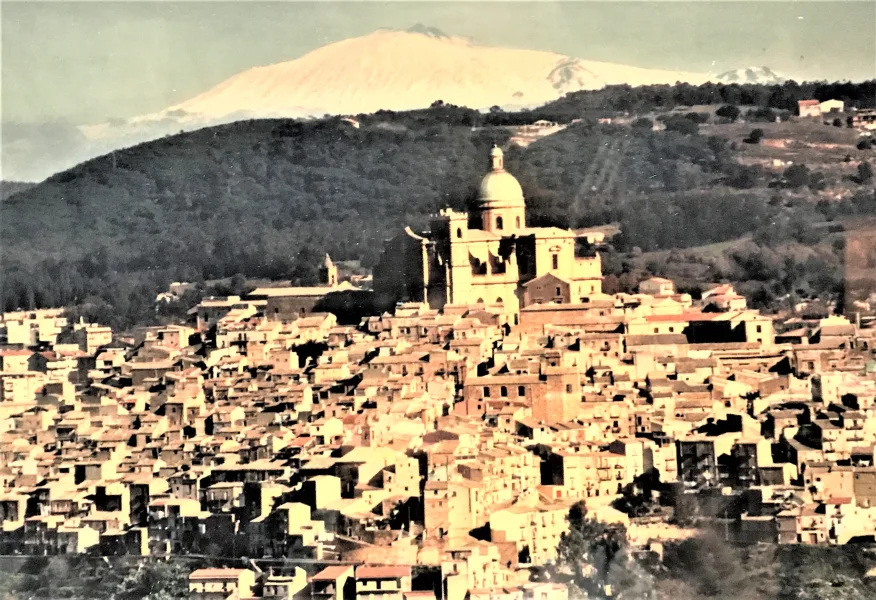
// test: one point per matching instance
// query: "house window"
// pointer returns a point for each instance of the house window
(559, 291)
(458, 232)
(759, 328)
(521, 390)
(656, 330)
(499, 223)
(517, 221)
(503, 391)
(671, 329)
(568, 388)
(556, 261)
(486, 392)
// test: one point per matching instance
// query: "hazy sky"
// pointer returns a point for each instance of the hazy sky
(83, 62)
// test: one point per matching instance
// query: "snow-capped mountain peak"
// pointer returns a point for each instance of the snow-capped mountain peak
(388, 69)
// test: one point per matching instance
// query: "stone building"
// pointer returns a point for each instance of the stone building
(491, 257)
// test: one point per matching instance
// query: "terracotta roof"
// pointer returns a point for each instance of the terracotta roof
(367, 572)
(690, 316)
(216, 573)
(331, 573)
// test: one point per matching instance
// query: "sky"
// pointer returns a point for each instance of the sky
(87, 62)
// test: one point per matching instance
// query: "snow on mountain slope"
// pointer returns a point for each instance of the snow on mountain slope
(758, 75)
(387, 69)
(401, 70)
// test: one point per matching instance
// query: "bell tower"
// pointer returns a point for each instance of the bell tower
(329, 272)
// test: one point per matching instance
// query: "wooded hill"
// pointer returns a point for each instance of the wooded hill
(267, 198)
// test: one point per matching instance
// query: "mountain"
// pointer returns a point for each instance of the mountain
(404, 70)
(750, 75)
(384, 70)
(401, 70)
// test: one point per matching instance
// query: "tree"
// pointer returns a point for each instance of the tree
(728, 111)
(865, 172)
(754, 137)
(796, 176)
(682, 125)
(598, 559)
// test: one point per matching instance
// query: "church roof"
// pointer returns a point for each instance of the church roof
(546, 277)
(498, 185)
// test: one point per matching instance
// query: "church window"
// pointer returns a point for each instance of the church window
(503, 391)
(499, 223)
(479, 301)
(556, 261)
(459, 232)
(499, 300)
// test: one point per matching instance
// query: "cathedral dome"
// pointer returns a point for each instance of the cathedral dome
(500, 186)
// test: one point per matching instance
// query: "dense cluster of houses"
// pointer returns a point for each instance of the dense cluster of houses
(454, 441)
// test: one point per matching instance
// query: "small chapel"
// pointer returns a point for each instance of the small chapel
(493, 258)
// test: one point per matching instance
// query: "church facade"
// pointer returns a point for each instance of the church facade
(499, 261)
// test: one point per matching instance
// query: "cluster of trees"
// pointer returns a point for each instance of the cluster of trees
(596, 560)
(649, 98)
(95, 578)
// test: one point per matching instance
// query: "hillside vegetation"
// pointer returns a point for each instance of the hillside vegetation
(7, 188)
(266, 198)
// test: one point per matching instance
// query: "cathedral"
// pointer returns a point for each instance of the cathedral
(491, 259)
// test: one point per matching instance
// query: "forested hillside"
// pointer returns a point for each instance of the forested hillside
(267, 198)
(7, 188)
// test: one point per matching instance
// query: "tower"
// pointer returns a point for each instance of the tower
(501, 203)
(329, 272)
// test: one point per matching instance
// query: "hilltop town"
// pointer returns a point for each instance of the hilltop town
(443, 449)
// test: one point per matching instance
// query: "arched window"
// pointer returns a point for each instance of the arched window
(503, 391)
(459, 232)
(556, 261)
(499, 300)
(499, 223)
(479, 301)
